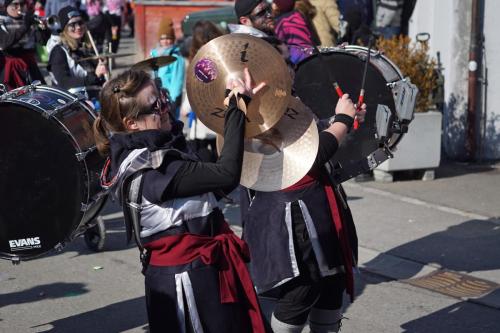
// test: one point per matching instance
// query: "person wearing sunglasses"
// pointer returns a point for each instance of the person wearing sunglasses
(19, 34)
(194, 266)
(67, 69)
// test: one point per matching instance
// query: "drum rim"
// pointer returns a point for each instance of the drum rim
(87, 197)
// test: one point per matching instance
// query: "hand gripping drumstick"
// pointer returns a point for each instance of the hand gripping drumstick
(361, 97)
(91, 39)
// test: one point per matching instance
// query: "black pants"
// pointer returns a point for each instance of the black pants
(309, 290)
(161, 301)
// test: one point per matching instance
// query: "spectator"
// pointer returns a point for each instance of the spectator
(326, 21)
(388, 17)
(114, 9)
(171, 76)
(356, 31)
(293, 30)
(18, 34)
(52, 7)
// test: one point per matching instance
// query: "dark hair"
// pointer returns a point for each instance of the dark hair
(118, 101)
(203, 32)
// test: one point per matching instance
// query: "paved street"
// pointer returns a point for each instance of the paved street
(429, 262)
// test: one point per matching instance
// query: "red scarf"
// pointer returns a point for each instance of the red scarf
(225, 251)
(338, 223)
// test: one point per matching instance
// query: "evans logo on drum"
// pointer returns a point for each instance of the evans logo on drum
(25, 244)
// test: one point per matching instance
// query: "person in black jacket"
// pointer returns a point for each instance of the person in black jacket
(67, 69)
(196, 278)
(19, 31)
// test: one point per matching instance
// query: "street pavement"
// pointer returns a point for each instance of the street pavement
(429, 262)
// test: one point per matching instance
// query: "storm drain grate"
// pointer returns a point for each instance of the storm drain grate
(454, 284)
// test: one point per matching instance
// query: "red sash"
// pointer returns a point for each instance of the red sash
(225, 251)
(338, 223)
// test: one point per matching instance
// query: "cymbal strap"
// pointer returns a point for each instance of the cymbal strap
(239, 100)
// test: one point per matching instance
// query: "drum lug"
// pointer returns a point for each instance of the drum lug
(15, 260)
(84, 207)
(59, 247)
(49, 113)
(83, 154)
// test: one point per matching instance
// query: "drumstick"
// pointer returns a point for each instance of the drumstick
(91, 39)
(361, 97)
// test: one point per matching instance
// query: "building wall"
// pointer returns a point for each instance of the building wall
(448, 22)
(491, 115)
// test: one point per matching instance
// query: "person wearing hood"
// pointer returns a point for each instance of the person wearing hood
(19, 31)
(65, 65)
(172, 75)
(194, 266)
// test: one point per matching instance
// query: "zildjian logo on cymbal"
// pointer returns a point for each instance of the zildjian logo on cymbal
(244, 53)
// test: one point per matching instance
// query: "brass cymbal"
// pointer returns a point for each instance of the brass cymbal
(281, 156)
(226, 57)
(106, 55)
(152, 64)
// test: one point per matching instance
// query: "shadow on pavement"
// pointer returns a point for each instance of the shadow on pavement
(462, 317)
(117, 317)
(43, 292)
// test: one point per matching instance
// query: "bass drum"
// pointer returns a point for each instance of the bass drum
(313, 83)
(49, 171)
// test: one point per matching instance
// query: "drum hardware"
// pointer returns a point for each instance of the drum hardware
(383, 117)
(106, 56)
(153, 64)
(50, 113)
(3, 89)
(82, 155)
(406, 96)
(361, 97)
(225, 57)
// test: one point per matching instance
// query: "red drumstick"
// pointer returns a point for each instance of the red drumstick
(361, 97)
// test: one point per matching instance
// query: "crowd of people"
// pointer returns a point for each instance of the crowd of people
(64, 30)
(299, 244)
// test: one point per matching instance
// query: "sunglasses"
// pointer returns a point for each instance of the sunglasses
(73, 25)
(17, 4)
(265, 12)
(156, 108)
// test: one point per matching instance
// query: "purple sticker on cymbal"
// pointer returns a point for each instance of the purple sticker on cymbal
(205, 70)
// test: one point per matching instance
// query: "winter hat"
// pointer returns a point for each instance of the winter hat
(66, 14)
(166, 28)
(284, 6)
(245, 7)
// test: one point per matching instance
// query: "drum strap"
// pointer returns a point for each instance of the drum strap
(349, 170)
(132, 215)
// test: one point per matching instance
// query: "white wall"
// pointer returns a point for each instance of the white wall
(492, 51)
(448, 22)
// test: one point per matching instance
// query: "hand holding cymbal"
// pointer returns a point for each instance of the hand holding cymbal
(243, 87)
(225, 58)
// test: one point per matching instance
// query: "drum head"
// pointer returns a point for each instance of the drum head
(314, 86)
(42, 183)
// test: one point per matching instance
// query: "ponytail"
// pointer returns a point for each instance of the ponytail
(118, 101)
(101, 136)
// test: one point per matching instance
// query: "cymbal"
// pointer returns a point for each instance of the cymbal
(106, 55)
(281, 156)
(152, 64)
(226, 57)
